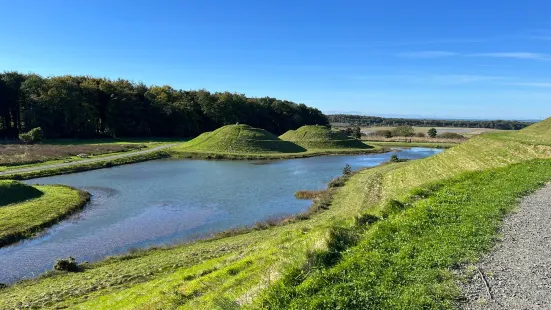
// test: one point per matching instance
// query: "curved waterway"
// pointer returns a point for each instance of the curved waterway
(172, 201)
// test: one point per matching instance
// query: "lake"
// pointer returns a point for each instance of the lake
(173, 201)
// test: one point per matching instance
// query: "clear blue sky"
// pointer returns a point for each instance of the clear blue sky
(477, 59)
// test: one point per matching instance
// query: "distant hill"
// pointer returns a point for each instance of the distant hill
(369, 121)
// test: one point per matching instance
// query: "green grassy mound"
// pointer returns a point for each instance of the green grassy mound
(240, 139)
(25, 218)
(13, 191)
(321, 137)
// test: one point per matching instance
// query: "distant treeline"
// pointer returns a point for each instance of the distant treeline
(84, 107)
(360, 120)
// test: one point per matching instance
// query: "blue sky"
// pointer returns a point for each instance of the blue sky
(461, 59)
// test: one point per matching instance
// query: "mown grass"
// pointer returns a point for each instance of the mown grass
(86, 166)
(406, 260)
(240, 139)
(384, 228)
(25, 218)
(13, 192)
(314, 137)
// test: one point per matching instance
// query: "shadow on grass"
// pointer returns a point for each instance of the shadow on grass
(14, 192)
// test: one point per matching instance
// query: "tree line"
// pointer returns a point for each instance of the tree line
(86, 107)
(374, 121)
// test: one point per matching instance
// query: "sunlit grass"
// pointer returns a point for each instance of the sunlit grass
(24, 219)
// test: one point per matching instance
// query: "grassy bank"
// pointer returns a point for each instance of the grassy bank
(390, 226)
(85, 166)
(406, 259)
(32, 213)
(437, 145)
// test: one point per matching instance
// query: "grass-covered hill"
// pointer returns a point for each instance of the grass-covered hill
(393, 237)
(26, 210)
(241, 139)
(13, 191)
(320, 137)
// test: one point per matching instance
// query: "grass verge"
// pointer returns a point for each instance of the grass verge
(85, 167)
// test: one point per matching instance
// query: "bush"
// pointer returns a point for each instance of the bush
(432, 132)
(403, 131)
(357, 133)
(394, 158)
(450, 135)
(69, 264)
(383, 133)
(33, 136)
(420, 135)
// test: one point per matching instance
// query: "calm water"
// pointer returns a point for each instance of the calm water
(172, 201)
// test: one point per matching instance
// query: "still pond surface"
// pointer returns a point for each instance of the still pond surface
(173, 201)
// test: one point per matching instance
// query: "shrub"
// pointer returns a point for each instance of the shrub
(347, 170)
(403, 131)
(383, 133)
(338, 182)
(432, 132)
(450, 135)
(69, 264)
(357, 133)
(33, 136)
(394, 158)
(420, 135)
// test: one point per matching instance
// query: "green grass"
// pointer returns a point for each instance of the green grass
(437, 145)
(406, 261)
(403, 260)
(86, 166)
(320, 137)
(27, 217)
(13, 191)
(240, 139)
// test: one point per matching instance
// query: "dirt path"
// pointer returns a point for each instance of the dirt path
(517, 274)
(85, 161)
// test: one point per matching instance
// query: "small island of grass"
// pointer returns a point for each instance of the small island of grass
(26, 210)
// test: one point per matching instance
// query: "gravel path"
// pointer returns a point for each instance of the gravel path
(85, 161)
(518, 271)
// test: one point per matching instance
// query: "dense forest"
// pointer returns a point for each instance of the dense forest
(360, 120)
(85, 107)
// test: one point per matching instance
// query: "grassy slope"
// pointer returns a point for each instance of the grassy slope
(28, 216)
(235, 269)
(13, 191)
(240, 139)
(407, 260)
(320, 137)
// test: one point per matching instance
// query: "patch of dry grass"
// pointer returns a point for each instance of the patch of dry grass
(20, 154)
